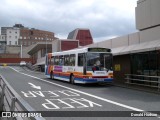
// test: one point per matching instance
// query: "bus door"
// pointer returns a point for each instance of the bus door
(82, 62)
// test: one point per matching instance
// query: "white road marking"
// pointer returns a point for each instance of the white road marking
(84, 93)
(34, 86)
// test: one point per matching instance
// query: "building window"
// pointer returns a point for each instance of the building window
(145, 63)
(9, 36)
(15, 42)
(16, 32)
(16, 37)
(9, 42)
(10, 32)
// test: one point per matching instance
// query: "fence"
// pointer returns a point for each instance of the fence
(11, 101)
(144, 80)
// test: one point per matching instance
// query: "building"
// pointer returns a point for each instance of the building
(147, 14)
(33, 36)
(12, 36)
(2, 43)
(64, 44)
(83, 35)
(138, 53)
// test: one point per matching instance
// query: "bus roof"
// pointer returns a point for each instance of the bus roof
(73, 51)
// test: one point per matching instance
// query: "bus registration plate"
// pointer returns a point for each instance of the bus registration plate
(100, 79)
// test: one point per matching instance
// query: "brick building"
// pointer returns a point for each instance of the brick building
(83, 35)
(32, 36)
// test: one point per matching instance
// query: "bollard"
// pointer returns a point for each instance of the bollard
(2, 97)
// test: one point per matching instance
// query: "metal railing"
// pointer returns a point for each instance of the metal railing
(11, 101)
(143, 80)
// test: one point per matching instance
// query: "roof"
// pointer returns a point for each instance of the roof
(142, 47)
(39, 46)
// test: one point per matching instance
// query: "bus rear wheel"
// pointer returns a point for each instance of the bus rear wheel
(51, 75)
(72, 79)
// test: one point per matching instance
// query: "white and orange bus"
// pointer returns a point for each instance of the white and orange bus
(85, 65)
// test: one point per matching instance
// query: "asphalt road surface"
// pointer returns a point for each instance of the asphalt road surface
(80, 102)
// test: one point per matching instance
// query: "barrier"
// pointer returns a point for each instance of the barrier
(143, 80)
(11, 101)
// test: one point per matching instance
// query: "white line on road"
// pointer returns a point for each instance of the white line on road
(34, 86)
(88, 94)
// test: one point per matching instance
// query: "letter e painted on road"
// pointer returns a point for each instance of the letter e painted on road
(50, 105)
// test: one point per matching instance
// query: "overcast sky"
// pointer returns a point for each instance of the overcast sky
(104, 18)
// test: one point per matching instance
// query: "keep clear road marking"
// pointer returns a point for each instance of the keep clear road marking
(34, 86)
(84, 93)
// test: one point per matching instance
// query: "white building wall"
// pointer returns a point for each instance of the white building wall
(56, 45)
(147, 14)
(106, 44)
(134, 38)
(39, 54)
(120, 41)
(150, 34)
(13, 35)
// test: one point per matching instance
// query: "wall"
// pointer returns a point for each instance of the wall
(147, 14)
(13, 36)
(14, 60)
(124, 62)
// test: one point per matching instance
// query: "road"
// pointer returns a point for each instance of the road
(44, 94)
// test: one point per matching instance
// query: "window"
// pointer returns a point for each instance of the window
(16, 37)
(9, 36)
(61, 60)
(15, 42)
(145, 63)
(9, 42)
(66, 60)
(56, 60)
(80, 59)
(72, 60)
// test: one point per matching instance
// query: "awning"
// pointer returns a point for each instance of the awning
(142, 47)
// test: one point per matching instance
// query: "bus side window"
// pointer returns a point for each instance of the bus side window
(66, 60)
(56, 60)
(72, 60)
(61, 60)
(80, 59)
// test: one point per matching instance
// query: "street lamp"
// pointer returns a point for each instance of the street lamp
(46, 43)
(21, 50)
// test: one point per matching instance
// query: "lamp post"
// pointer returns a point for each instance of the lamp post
(46, 43)
(21, 50)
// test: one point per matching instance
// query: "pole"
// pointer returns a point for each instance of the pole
(21, 51)
(46, 43)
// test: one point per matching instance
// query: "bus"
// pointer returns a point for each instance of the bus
(83, 65)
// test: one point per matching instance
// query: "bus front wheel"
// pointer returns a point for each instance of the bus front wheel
(72, 79)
